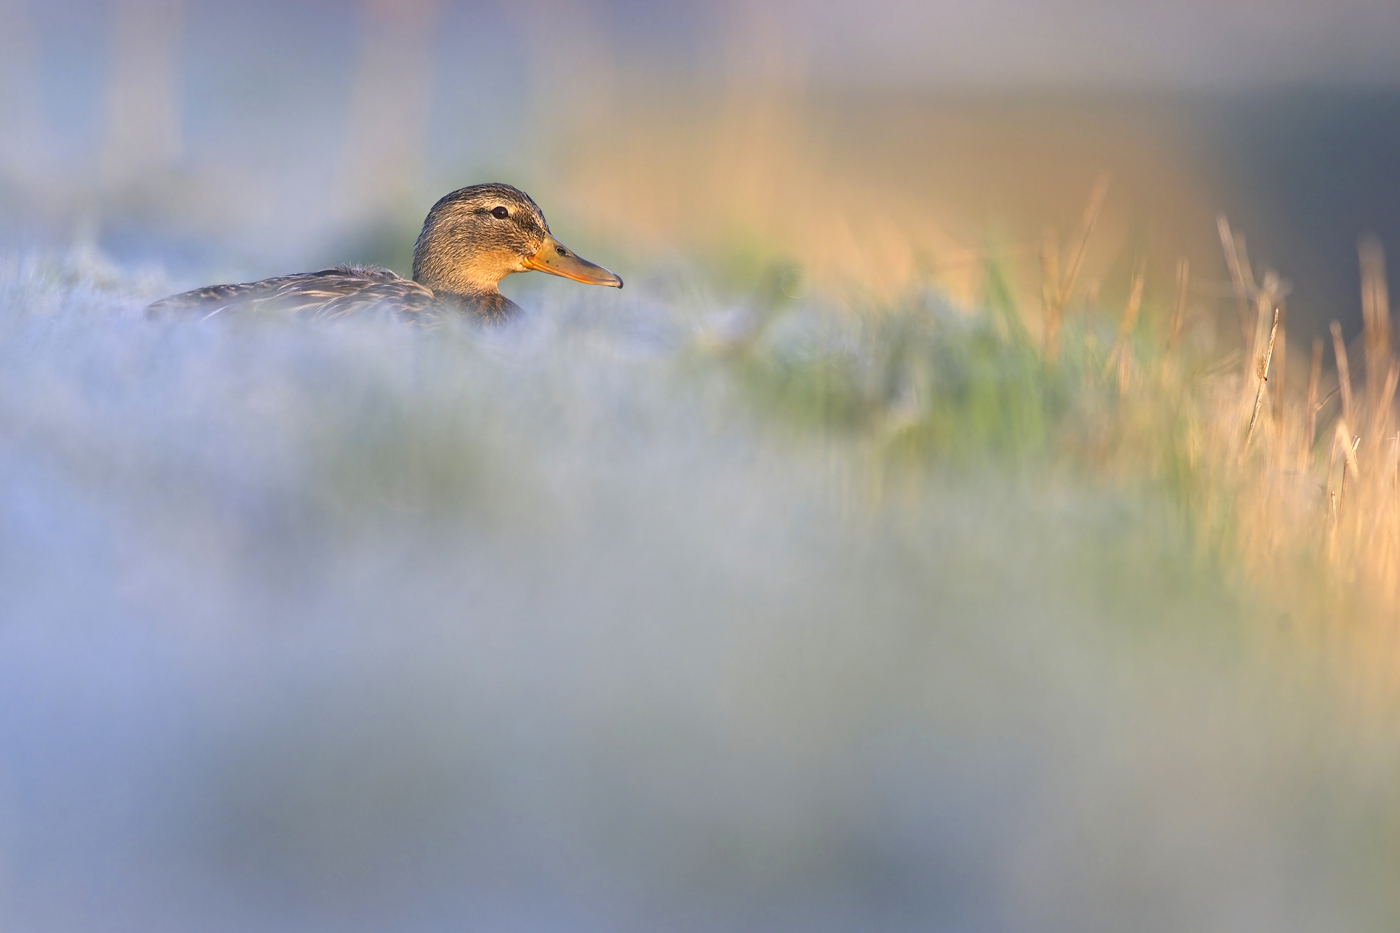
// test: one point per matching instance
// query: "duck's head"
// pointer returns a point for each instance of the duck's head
(476, 236)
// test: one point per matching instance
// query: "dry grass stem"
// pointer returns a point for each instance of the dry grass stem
(1395, 461)
(1310, 412)
(1278, 371)
(1246, 269)
(1081, 244)
(1339, 347)
(1378, 414)
(1263, 374)
(1343, 438)
(1050, 291)
(1119, 353)
(1178, 315)
(1375, 311)
(1234, 248)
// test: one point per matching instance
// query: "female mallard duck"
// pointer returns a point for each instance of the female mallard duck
(473, 238)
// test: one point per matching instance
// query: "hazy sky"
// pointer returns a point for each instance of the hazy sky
(1187, 43)
(989, 42)
(1011, 43)
(308, 48)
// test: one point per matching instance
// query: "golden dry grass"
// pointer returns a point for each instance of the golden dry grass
(1292, 472)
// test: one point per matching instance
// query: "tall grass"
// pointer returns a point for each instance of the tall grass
(1293, 489)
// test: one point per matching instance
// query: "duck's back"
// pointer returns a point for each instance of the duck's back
(331, 293)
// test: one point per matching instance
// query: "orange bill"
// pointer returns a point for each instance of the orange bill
(556, 259)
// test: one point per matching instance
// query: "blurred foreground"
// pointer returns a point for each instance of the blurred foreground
(664, 610)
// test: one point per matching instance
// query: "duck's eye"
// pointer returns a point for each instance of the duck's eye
(500, 213)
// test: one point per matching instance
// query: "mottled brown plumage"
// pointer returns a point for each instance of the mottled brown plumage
(471, 239)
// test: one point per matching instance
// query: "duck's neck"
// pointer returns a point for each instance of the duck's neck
(467, 279)
(489, 305)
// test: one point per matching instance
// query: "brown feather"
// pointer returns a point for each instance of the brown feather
(324, 295)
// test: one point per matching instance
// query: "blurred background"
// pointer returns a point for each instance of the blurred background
(882, 142)
(791, 588)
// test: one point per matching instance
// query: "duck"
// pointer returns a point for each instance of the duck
(471, 239)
